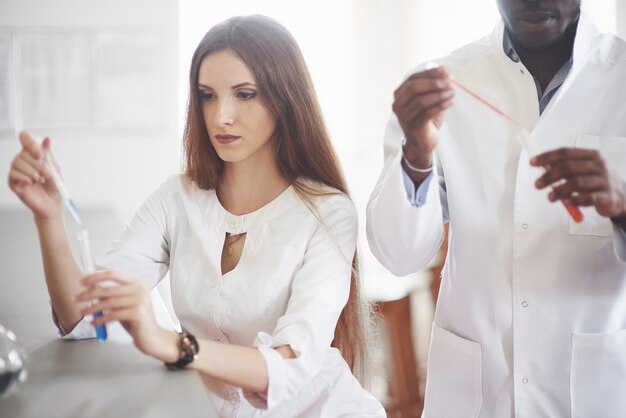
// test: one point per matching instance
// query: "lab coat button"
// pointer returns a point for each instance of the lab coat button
(524, 380)
(524, 226)
(515, 57)
(525, 304)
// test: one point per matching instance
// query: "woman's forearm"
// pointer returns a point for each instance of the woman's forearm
(61, 271)
(237, 365)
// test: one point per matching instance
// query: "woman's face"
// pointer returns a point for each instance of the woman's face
(239, 124)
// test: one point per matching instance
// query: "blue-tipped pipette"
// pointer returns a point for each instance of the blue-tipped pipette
(56, 178)
(83, 237)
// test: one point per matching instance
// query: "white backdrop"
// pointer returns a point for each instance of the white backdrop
(357, 52)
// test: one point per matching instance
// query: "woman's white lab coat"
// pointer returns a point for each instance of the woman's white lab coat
(531, 317)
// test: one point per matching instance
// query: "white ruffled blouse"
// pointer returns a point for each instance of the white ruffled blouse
(289, 287)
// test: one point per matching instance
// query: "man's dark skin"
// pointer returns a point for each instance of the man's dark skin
(543, 34)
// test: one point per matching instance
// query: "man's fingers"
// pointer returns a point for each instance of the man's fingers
(582, 185)
(569, 170)
(415, 91)
(420, 83)
(556, 156)
(438, 72)
(422, 104)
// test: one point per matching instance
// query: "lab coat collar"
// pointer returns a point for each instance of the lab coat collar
(585, 35)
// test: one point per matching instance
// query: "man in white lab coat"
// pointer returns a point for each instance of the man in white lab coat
(531, 316)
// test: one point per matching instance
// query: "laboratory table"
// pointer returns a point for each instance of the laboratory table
(80, 378)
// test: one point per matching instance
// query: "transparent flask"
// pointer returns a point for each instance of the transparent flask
(12, 362)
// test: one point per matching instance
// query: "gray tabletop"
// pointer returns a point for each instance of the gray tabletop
(79, 378)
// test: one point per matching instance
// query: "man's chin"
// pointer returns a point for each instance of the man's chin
(535, 41)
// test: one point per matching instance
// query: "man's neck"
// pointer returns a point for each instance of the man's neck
(544, 63)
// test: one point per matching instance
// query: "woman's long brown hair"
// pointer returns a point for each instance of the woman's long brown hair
(303, 148)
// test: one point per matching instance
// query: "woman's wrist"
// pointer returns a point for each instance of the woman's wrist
(51, 223)
(166, 349)
(188, 349)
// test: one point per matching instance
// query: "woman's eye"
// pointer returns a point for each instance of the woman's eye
(246, 95)
(206, 95)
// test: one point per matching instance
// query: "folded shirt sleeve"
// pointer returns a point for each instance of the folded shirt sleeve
(81, 331)
(416, 195)
(319, 293)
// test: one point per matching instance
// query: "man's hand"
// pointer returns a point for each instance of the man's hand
(420, 103)
(581, 177)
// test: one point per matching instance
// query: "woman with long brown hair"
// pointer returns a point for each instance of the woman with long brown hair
(258, 234)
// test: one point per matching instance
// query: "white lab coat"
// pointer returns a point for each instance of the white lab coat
(531, 316)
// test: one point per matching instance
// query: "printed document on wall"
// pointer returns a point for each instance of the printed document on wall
(6, 92)
(55, 80)
(129, 79)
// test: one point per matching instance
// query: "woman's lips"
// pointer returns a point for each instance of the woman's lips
(226, 139)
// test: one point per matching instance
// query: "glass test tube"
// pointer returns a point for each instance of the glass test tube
(88, 268)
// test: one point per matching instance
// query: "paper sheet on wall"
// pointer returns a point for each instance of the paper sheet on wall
(55, 80)
(6, 92)
(129, 80)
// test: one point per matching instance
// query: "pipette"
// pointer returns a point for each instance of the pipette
(523, 137)
(83, 237)
(65, 194)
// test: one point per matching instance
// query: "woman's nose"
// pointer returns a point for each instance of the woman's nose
(225, 114)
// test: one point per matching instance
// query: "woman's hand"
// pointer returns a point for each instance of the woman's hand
(129, 302)
(30, 180)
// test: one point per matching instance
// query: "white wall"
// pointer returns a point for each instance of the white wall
(621, 18)
(357, 51)
(105, 171)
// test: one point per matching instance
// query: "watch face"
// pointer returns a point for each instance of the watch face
(188, 347)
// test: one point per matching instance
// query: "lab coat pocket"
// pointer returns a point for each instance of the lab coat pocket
(598, 374)
(454, 382)
(613, 150)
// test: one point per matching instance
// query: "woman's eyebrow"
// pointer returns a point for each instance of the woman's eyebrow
(244, 84)
(247, 83)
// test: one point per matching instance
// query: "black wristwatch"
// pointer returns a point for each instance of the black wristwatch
(188, 349)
